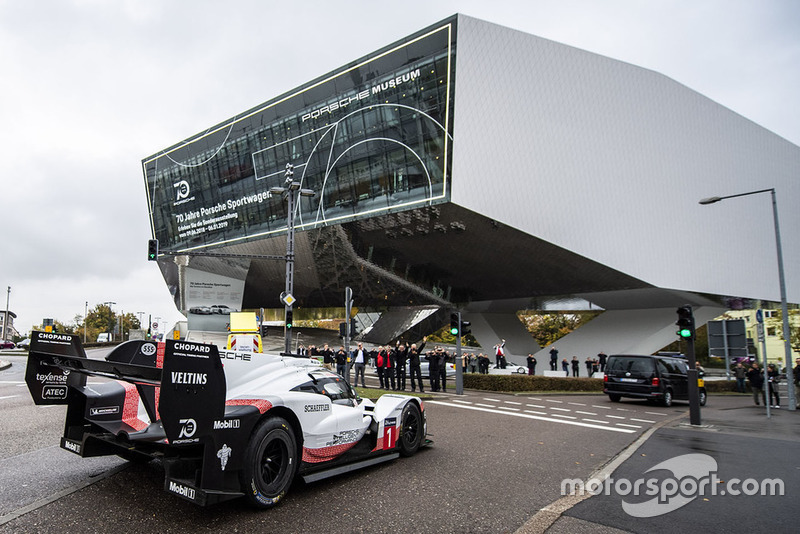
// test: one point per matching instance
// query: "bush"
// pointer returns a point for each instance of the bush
(531, 383)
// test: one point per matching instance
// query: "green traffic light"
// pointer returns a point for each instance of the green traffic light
(454, 331)
(685, 332)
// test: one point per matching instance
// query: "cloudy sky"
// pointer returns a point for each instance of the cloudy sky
(91, 87)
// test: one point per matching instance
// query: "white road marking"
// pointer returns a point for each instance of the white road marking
(484, 405)
(509, 408)
(534, 398)
(615, 417)
(558, 401)
(595, 421)
(631, 426)
(656, 413)
(577, 404)
(602, 407)
(535, 405)
(462, 401)
(512, 402)
(624, 410)
(536, 417)
(585, 413)
(537, 413)
(9, 397)
(492, 400)
(560, 409)
(564, 416)
(642, 420)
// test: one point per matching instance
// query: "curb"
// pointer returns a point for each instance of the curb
(4, 365)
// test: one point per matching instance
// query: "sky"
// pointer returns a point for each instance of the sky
(89, 88)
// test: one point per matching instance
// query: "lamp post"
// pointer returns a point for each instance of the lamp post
(782, 281)
(291, 190)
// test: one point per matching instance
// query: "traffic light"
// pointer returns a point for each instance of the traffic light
(454, 326)
(342, 330)
(353, 328)
(288, 318)
(685, 322)
(152, 250)
(465, 328)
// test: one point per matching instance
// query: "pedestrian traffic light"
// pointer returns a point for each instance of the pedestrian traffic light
(454, 326)
(342, 330)
(288, 318)
(465, 328)
(685, 322)
(152, 250)
(353, 328)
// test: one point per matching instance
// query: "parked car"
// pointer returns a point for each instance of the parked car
(221, 309)
(24, 344)
(657, 378)
(6, 344)
(511, 369)
(200, 310)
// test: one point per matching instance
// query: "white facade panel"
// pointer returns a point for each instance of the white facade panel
(609, 160)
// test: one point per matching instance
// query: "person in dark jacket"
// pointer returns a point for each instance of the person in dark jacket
(756, 379)
(553, 359)
(773, 377)
(327, 355)
(531, 364)
(565, 366)
(442, 362)
(433, 368)
(400, 359)
(414, 364)
(576, 367)
(341, 361)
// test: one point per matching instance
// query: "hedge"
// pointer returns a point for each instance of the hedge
(551, 383)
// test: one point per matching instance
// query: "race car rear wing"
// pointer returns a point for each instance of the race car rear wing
(186, 395)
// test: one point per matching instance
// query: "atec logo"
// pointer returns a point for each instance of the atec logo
(691, 476)
(188, 429)
(182, 189)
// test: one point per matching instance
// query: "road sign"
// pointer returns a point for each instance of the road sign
(760, 331)
(288, 299)
(760, 316)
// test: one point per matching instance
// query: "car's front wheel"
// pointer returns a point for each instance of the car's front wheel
(270, 463)
(411, 429)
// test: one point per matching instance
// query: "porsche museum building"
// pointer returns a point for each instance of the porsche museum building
(474, 167)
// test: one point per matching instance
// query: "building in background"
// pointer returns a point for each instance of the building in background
(476, 167)
(7, 330)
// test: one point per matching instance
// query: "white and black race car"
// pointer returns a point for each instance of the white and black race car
(223, 424)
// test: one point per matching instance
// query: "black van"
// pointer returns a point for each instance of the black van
(657, 378)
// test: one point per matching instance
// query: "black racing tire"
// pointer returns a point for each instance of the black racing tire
(613, 397)
(411, 429)
(270, 463)
(666, 400)
(703, 396)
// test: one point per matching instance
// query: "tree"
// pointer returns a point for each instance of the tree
(547, 328)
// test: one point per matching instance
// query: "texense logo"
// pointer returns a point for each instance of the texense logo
(182, 188)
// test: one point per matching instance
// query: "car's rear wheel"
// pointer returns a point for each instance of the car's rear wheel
(613, 397)
(411, 429)
(270, 463)
(666, 400)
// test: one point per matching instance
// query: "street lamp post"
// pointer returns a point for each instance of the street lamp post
(787, 346)
(291, 189)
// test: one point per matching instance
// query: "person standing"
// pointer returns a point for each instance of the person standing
(756, 379)
(740, 373)
(380, 364)
(588, 365)
(601, 359)
(433, 368)
(554, 359)
(400, 358)
(565, 366)
(773, 377)
(531, 364)
(576, 367)
(414, 364)
(797, 379)
(359, 362)
(499, 354)
(442, 361)
(341, 361)
(327, 355)
(389, 366)
(483, 364)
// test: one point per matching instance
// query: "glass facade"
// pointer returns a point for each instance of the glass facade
(372, 137)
